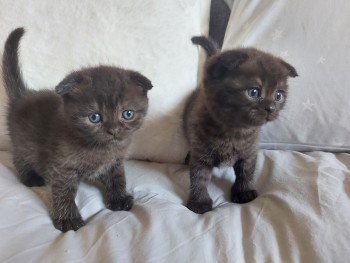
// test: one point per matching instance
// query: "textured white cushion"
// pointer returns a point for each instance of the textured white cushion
(313, 36)
(151, 36)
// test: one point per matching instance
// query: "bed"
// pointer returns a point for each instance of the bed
(303, 172)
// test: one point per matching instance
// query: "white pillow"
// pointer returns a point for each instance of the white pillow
(314, 37)
(153, 37)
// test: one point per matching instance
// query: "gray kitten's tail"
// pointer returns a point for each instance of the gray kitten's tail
(209, 45)
(10, 69)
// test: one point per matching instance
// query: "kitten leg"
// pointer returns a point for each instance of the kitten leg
(115, 184)
(199, 201)
(188, 158)
(242, 190)
(27, 174)
(65, 213)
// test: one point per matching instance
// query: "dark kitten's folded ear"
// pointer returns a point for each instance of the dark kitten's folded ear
(218, 66)
(141, 80)
(68, 83)
(292, 72)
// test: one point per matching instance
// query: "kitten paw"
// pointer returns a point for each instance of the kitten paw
(200, 207)
(123, 204)
(67, 224)
(243, 197)
(32, 179)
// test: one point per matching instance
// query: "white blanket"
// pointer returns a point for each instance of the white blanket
(301, 215)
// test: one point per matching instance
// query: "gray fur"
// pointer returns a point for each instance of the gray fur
(222, 123)
(55, 143)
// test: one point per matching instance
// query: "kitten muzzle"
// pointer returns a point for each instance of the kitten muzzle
(112, 132)
(271, 116)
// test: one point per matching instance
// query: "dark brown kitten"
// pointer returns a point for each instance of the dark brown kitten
(80, 132)
(241, 90)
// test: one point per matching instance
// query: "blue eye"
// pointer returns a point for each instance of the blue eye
(95, 117)
(278, 96)
(254, 93)
(128, 114)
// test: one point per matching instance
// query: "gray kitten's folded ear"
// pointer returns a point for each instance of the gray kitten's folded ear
(68, 83)
(292, 72)
(226, 62)
(140, 80)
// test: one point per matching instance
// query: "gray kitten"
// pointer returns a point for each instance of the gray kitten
(81, 131)
(241, 90)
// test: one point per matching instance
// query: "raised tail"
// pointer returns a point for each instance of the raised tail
(210, 47)
(10, 69)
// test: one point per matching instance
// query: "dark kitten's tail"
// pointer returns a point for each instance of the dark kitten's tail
(209, 45)
(10, 69)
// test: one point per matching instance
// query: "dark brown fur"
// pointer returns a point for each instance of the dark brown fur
(222, 122)
(54, 142)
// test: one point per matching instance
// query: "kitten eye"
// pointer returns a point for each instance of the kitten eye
(128, 114)
(254, 92)
(95, 117)
(278, 96)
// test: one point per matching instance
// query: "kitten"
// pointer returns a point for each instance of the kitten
(241, 90)
(81, 131)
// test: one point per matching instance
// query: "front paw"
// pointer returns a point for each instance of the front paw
(200, 207)
(67, 224)
(122, 204)
(243, 197)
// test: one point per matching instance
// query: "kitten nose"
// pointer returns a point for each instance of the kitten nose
(270, 109)
(111, 131)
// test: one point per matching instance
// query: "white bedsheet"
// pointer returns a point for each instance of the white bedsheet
(301, 215)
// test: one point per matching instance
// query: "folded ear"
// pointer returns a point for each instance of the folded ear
(68, 83)
(141, 80)
(292, 72)
(218, 66)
